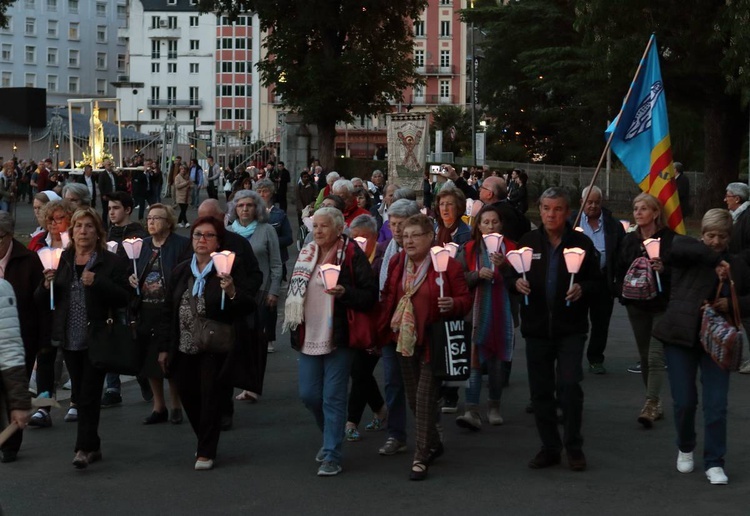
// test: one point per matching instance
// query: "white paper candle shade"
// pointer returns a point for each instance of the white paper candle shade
(362, 243)
(330, 275)
(50, 258)
(223, 261)
(579, 229)
(520, 259)
(492, 242)
(423, 211)
(112, 246)
(452, 248)
(132, 247)
(308, 222)
(469, 204)
(653, 246)
(625, 225)
(440, 256)
(475, 207)
(573, 259)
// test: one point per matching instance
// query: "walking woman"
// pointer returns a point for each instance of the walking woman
(320, 329)
(491, 317)
(91, 285)
(196, 290)
(411, 302)
(162, 250)
(699, 270)
(252, 223)
(645, 314)
(182, 186)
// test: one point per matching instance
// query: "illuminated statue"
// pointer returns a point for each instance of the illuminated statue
(96, 137)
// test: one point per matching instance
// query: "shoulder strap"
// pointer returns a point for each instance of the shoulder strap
(191, 297)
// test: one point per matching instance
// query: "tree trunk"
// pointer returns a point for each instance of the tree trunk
(327, 144)
(724, 127)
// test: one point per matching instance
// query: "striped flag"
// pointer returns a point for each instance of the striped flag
(641, 137)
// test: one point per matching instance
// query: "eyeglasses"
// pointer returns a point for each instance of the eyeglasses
(205, 236)
(56, 220)
(154, 218)
(413, 236)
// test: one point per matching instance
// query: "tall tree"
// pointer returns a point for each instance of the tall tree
(333, 60)
(4, 4)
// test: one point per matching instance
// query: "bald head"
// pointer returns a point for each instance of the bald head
(493, 189)
(211, 208)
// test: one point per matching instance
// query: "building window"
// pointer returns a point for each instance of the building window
(52, 6)
(155, 22)
(9, 27)
(29, 80)
(194, 68)
(171, 93)
(154, 114)
(120, 62)
(6, 52)
(226, 114)
(171, 2)
(226, 90)
(239, 90)
(193, 94)
(171, 67)
(5, 79)
(101, 33)
(193, 21)
(101, 61)
(122, 11)
(155, 49)
(30, 4)
(419, 58)
(446, 2)
(73, 6)
(172, 49)
(101, 87)
(193, 114)
(101, 9)
(419, 28)
(226, 66)
(30, 27)
(195, 44)
(30, 55)
(155, 92)
(239, 67)
(52, 83)
(73, 31)
(419, 92)
(226, 43)
(445, 58)
(172, 22)
(239, 43)
(74, 57)
(154, 67)
(445, 28)
(52, 58)
(239, 114)
(52, 29)
(445, 88)
(73, 84)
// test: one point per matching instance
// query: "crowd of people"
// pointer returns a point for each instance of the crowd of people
(209, 331)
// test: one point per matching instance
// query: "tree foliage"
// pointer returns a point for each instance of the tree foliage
(455, 122)
(4, 4)
(333, 60)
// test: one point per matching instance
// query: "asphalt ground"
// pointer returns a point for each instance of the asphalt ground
(266, 462)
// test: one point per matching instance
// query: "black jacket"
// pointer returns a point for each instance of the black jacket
(695, 281)
(539, 319)
(515, 224)
(81, 179)
(740, 241)
(630, 249)
(614, 233)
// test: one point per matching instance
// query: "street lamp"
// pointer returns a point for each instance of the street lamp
(14, 150)
(57, 156)
(138, 120)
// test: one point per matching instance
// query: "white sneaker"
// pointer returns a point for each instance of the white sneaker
(685, 463)
(180, 225)
(271, 349)
(67, 386)
(187, 224)
(745, 368)
(717, 476)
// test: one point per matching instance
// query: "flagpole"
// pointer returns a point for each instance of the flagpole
(612, 134)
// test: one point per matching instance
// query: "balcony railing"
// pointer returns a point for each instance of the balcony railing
(174, 103)
(436, 70)
(427, 100)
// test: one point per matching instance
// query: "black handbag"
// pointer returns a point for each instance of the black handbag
(450, 349)
(209, 335)
(113, 346)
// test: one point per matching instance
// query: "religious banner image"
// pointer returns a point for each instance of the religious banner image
(408, 141)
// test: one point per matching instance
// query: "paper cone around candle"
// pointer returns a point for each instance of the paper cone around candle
(625, 225)
(112, 246)
(132, 247)
(452, 248)
(50, 258)
(475, 207)
(573, 259)
(469, 204)
(308, 222)
(223, 261)
(362, 243)
(492, 242)
(423, 211)
(653, 246)
(579, 229)
(330, 275)
(440, 256)
(520, 259)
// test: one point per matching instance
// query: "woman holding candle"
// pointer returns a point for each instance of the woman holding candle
(162, 250)
(411, 301)
(491, 317)
(56, 215)
(196, 287)
(91, 285)
(316, 313)
(251, 222)
(645, 314)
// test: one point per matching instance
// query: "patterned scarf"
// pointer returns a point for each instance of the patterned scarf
(200, 277)
(403, 321)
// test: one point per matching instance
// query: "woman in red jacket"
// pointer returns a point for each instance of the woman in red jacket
(411, 302)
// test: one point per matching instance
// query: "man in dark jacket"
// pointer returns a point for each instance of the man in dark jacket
(493, 191)
(606, 233)
(554, 323)
(87, 179)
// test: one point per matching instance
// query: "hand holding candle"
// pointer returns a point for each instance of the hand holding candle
(50, 259)
(573, 259)
(493, 242)
(653, 249)
(362, 243)
(520, 259)
(329, 273)
(223, 263)
(132, 248)
(112, 246)
(440, 257)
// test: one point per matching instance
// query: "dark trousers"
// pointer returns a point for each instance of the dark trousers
(600, 313)
(202, 396)
(365, 390)
(227, 401)
(89, 383)
(183, 213)
(213, 192)
(140, 201)
(554, 365)
(45, 370)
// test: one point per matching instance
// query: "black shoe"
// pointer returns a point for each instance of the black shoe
(435, 453)
(94, 456)
(449, 406)
(418, 471)
(146, 393)
(9, 456)
(111, 399)
(576, 460)
(226, 423)
(544, 459)
(176, 418)
(156, 417)
(530, 408)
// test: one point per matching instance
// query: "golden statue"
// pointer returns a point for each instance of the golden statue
(96, 137)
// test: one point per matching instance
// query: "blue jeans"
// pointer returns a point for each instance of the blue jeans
(683, 365)
(395, 396)
(495, 377)
(323, 388)
(112, 383)
(195, 194)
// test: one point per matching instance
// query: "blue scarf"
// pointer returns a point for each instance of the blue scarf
(200, 277)
(244, 231)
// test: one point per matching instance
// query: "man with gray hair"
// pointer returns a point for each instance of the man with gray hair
(606, 233)
(77, 195)
(88, 181)
(376, 186)
(345, 189)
